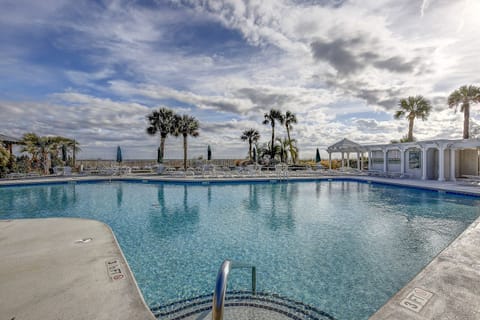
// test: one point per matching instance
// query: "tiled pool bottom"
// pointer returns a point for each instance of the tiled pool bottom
(241, 305)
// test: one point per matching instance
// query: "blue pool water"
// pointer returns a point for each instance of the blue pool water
(344, 247)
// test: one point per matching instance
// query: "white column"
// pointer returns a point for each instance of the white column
(343, 159)
(361, 161)
(385, 153)
(452, 164)
(441, 164)
(402, 161)
(358, 160)
(370, 160)
(348, 159)
(330, 160)
(424, 163)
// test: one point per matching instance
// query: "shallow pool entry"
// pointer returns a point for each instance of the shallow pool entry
(241, 305)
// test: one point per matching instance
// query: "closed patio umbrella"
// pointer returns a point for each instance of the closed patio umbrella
(119, 154)
(209, 153)
(317, 156)
(254, 154)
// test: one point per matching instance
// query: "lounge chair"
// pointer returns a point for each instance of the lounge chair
(170, 171)
(468, 180)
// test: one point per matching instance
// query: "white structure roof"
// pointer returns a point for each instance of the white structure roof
(9, 139)
(441, 143)
(346, 145)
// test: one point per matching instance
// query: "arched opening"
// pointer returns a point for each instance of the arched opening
(432, 164)
(393, 161)
(413, 162)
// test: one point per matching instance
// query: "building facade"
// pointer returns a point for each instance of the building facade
(442, 160)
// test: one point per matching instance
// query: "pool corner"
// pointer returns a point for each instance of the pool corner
(65, 268)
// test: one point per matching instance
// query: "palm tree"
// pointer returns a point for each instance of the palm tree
(290, 119)
(161, 121)
(283, 153)
(275, 152)
(464, 96)
(185, 125)
(4, 157)
(40, 148)
(252, 136)
(262, 150)
(411, 108)
(72, 146)
(270, 118)
(285, 144)
(31, 145)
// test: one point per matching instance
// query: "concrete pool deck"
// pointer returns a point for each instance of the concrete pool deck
(447, 288)
(65, 268)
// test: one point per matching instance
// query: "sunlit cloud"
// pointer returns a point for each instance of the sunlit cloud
(94, 70)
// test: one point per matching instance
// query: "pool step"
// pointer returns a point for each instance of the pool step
(241, 305)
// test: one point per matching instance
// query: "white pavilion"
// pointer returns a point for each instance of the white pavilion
(442, 160)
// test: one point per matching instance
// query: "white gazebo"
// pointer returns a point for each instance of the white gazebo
(345, 147)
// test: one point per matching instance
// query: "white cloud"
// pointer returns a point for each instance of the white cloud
(340, 67)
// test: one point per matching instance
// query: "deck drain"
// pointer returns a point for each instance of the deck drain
(84, 240)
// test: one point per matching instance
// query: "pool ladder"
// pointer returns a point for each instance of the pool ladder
(221, 286)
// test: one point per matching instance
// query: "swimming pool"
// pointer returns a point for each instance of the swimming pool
(344, 247)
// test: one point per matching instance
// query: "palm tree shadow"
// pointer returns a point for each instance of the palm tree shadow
(172, 220)
(252, 203)
(283, 214)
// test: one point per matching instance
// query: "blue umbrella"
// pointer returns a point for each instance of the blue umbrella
(119, 154)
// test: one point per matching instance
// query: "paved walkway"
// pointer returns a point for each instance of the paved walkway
(65, 268)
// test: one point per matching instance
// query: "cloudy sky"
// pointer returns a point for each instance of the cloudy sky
(92, 70)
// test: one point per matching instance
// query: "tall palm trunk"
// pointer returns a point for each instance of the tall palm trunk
(466, 121)
(185, 152)
(250, 149)
(410, 128)
(290, 144)
(272, 149)
(45, 162)
(162, 145)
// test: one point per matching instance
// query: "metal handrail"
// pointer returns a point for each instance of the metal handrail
(221, 286)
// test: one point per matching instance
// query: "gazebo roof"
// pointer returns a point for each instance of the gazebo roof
(9, 139)
(346, 145)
